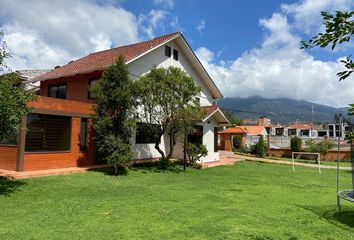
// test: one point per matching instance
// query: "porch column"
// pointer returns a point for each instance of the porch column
(21, 142)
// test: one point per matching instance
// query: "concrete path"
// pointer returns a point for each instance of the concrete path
(226, 158)
(265, 160)
(49, 172)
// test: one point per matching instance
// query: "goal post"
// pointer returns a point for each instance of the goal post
(293, 154)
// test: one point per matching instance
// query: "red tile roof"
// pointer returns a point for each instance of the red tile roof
(209, 110)
(253, 130)
(100, 60)
(302, 126)
(235, 130)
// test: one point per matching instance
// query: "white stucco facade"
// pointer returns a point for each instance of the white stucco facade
(156, 57)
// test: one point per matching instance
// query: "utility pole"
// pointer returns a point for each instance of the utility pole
(313, 115)
(338, 157)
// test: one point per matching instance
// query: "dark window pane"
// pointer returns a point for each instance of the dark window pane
(145, 133)
(167, 51)
(83, 134)
(48, 133)
(52, 92)
(197, 136)
(92, 83)
(58, 91)
(175, 54)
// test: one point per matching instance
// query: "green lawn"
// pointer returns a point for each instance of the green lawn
(246, 201)
(328, 163)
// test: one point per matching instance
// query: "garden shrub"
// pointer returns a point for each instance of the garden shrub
(195, 152)
(296, 144)
(197, 165)
(237, 142)
(261, 148)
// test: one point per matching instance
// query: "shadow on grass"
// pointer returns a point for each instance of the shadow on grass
(344, 220)
(174, 167)
(8, 185)
(143, 167)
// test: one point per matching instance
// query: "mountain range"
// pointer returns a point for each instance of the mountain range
(281, 110)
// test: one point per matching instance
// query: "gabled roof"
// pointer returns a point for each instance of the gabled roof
(215, 111)
(235, 130)
(253, 130)
(101, 60)
(30, 74)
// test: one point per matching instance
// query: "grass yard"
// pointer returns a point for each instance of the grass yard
(323, 162)
(246, 201)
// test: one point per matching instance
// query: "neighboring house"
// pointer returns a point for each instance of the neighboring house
(227, 136)
(276, 130)
(59, 130)
(335, 129)
(303, 130)
(28, 75)
(249, 136)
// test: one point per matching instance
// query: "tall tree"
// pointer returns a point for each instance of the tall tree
(161, 96)
(187, 118)
(13, 98)
(114, 110)
(339, 28)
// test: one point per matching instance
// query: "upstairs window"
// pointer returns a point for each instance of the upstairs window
(92, 83)
(57, 91)
(175, 54)
(167, 51)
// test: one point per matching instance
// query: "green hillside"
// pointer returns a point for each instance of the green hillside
(280, 110)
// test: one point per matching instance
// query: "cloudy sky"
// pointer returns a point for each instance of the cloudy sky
(248, 47)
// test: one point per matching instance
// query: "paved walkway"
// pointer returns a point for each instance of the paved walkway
(266, 160)
(226, 158)
(49, 172)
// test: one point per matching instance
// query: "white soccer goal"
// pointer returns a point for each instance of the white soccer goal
(307, 153)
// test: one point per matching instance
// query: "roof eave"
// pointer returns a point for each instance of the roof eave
(226, 121)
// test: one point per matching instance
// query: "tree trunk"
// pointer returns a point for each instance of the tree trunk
(157, 145)
(116, 169)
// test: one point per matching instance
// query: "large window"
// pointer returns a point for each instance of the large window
(57, 91)
(197, 136)
(92, 83)
(83, 134)
(291, 132)
(48, 133)
(144, 133)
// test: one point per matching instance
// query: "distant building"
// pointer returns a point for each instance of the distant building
(27, 77)
(264, 121)
(249, 136)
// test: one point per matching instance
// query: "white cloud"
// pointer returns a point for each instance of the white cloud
(307, 13)
(201, 26)
(165, 3)
(279, 68)
(152, 21)
(42, 34)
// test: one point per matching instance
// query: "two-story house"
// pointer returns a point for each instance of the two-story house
(59, 132)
